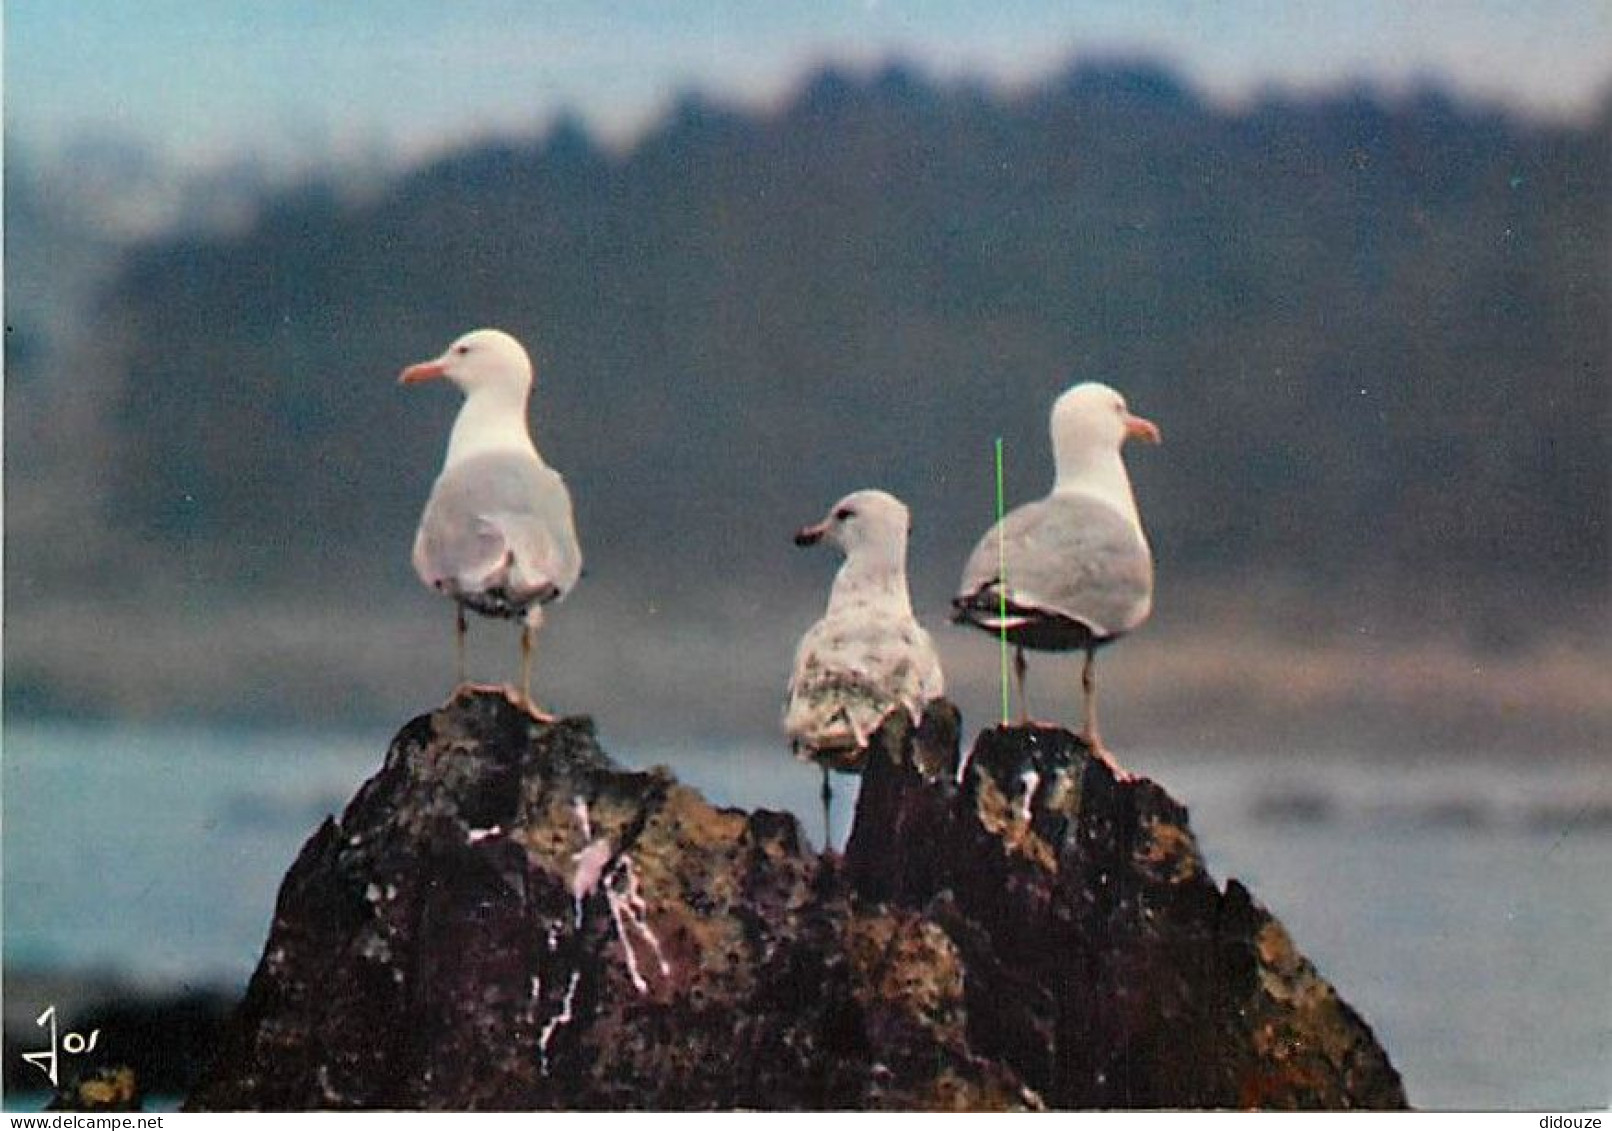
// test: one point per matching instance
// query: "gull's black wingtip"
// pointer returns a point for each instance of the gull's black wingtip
(964, 608)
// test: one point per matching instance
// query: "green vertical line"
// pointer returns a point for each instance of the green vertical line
(1001, 578)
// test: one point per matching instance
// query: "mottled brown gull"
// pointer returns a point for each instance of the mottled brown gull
(497, 535)
(1078, 570)
(867, 656)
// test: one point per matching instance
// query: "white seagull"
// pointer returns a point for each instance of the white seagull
(1079, 573)
(497, 535)
(867, 656)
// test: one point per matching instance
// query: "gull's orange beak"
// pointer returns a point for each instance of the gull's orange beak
(425, 371)
(1138, 429)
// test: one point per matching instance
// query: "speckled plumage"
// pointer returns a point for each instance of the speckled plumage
(867, 656)
(852, 668)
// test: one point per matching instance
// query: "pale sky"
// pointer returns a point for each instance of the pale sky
(208, 79)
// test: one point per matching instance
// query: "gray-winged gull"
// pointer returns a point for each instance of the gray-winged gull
(867, 656)
(1079, 573)
(497, 535)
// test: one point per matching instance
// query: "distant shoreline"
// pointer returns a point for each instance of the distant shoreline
(1217, 682)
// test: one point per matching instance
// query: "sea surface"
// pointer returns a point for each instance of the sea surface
(1463, 907)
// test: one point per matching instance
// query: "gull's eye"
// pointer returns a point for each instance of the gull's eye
(461, 350)
(844, 514)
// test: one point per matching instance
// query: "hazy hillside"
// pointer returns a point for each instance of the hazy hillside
(1373, 331)
(1375, 335)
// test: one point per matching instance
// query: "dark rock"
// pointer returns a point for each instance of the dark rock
(503, 919)
(1105, 966)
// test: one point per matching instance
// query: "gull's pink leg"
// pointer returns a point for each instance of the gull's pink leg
(526, 664)
(1088, 686)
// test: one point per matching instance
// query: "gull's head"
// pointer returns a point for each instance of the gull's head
(481, 359)
(863, 519)
(1093, 417)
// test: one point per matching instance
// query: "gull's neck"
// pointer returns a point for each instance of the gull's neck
(1100, 474)
(872, 575)
(491, 419)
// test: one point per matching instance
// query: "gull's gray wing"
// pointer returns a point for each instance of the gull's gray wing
(499, 525)
(1071, 556)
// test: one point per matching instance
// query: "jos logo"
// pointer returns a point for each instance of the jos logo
(74, 1044)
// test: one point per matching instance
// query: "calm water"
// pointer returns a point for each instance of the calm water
(1464, 909)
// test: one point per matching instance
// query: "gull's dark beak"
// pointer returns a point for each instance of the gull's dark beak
(809, 535)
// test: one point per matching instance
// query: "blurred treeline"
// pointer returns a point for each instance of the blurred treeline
(1374, 331)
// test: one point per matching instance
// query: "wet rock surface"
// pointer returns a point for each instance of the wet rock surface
(504, 919)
